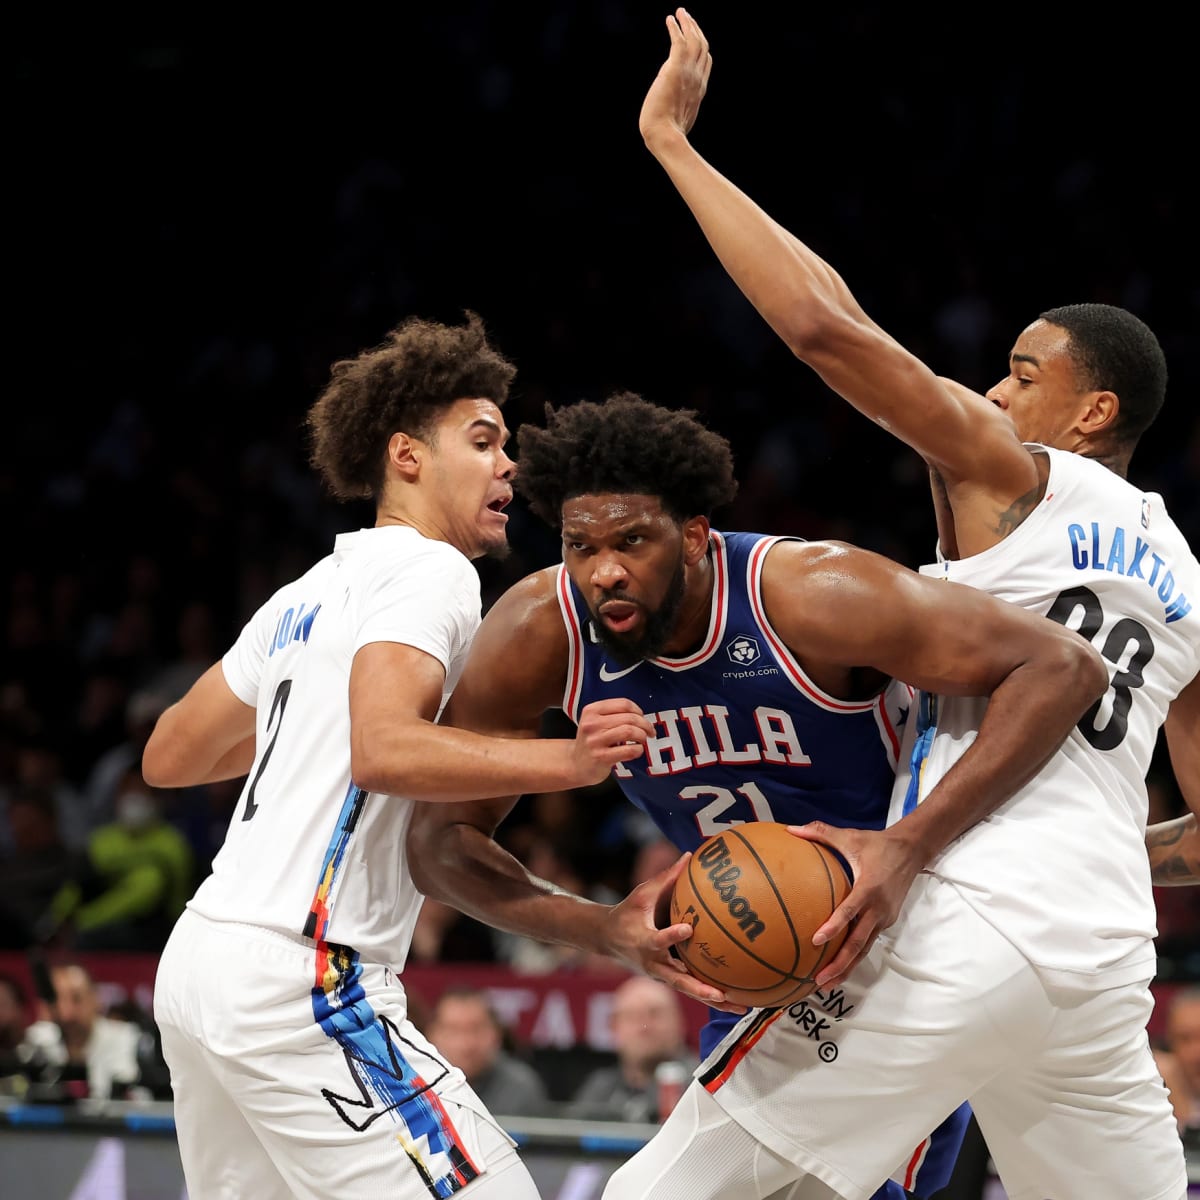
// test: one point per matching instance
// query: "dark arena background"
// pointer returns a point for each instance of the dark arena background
(203, 218)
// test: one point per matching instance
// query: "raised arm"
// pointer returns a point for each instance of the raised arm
(1174, 846)
(809, 305)
(516, 671)
(863, 610)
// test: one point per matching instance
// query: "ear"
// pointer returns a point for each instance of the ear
(695, 539)
(1099, 412)
(405, 454)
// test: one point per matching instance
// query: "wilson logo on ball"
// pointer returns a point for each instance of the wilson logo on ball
(723, 875)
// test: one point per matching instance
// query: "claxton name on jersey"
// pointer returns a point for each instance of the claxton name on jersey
(723, 876)
(699, 736)
(1098, 549)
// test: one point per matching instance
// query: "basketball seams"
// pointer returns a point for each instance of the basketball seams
(825, 856)
(785, 912)
(800, 899)
(698, 970)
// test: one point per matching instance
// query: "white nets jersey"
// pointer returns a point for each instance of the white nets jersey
(1061, 869)
(307, 852)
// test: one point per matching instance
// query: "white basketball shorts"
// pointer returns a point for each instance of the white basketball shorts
(296, 1072)
(943, 1009)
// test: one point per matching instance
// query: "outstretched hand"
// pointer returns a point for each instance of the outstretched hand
(635, 939)
(674, 97)
(883, 870)
(609, 732)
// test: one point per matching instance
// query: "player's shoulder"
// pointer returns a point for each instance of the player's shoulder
(401, 543)
(525, 631)
(808, 585)
(397, 556)
(531, 602)
(816, 562)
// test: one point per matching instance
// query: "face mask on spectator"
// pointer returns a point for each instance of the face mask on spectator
(135, 810)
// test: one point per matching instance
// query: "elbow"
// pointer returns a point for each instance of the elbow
(425, 848)
(161, 768)
(367, 764)
(1082, 673)
(822, 333)
(368, 773)
(809, 330)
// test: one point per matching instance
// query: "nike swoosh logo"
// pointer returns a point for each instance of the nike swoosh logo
(608, 676)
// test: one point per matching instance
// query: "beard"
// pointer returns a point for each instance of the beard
(626, 649)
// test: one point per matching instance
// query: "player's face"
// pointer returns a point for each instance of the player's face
(628, 557)
(647, 1024)
(472, 477)
(1183, 1034)
(1041, 394)
(466, 1034)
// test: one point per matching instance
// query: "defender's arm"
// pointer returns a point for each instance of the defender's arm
(860, 609)
(1174, 846)
(516, 671)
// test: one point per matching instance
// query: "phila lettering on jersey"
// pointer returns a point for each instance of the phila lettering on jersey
(742, 734)
(1101, 557)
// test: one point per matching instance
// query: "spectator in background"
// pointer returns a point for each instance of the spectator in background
(466, 1029)
(136, 879)
(12, 1033)
(198, 646)
(76, 1050)
(443, 934)
(100, 792)
(40, 766)
(31, 876)
(648, 1030)
(652, 856)
(1180, 1061)
(531, 846)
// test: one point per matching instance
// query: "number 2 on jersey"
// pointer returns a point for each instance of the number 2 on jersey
(282, 692)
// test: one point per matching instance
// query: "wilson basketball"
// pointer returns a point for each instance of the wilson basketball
(755, 895)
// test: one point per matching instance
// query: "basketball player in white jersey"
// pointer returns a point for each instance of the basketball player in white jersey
(1018, 972)
(294, 1067)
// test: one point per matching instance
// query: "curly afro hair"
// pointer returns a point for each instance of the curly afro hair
(404, 384)
(625, 445)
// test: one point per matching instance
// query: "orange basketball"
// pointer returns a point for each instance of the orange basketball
(755, 895)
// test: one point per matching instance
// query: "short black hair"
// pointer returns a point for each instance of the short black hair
(1117, 352)
(627, 446)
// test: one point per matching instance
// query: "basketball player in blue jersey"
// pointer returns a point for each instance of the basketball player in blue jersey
(1034, 507)
(768, 666)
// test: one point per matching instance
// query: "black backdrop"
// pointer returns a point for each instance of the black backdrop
(203, 217)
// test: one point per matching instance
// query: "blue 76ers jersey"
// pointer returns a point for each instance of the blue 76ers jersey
(742, 734)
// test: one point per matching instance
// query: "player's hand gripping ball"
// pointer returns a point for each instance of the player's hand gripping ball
(755, 895)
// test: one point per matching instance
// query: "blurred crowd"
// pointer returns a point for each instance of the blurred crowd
(140, 543)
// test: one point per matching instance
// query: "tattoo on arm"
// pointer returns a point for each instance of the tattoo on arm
(1017, 511)
(1172, 847)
